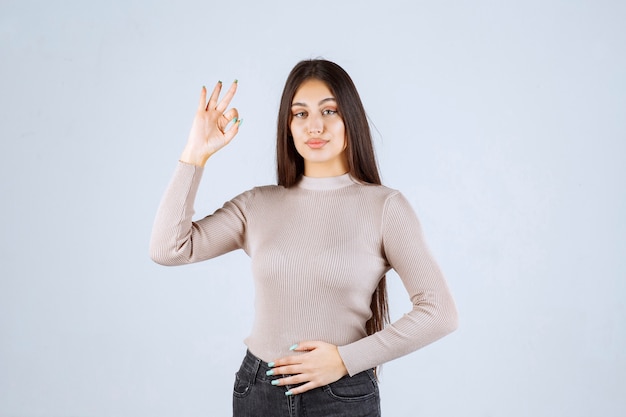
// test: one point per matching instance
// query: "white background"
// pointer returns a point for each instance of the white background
(502, 122)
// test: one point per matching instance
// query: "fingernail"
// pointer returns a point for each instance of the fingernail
(220, 81)
(240, 122)
(270, 372)
(270, 364)
(275, 382)
(235, 120)
(204, 87)
(236, 81)
(293, 347)
(289, 393)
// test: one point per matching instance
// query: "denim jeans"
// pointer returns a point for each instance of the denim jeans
(255, 396)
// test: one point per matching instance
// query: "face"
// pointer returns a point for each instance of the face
(318, 130)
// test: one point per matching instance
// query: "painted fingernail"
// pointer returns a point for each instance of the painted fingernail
(235, 120)
(271, 364)
(270, 372)
(289, 393)
(219, 81)
(240, 122)
(275, 382)
(236, 81)
(293, 347)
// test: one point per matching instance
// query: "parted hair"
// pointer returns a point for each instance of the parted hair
(359, 151)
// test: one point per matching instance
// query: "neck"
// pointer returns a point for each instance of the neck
(323, 170)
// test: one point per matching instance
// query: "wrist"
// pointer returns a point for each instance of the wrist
(192, 157)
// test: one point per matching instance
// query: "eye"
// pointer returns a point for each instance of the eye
(329, 112)
(300, 114)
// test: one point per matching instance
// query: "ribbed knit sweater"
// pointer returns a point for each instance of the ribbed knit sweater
(318, 251)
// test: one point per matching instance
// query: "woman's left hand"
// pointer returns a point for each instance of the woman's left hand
(319, 366)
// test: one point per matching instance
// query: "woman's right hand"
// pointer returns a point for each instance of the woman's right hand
(208, 132)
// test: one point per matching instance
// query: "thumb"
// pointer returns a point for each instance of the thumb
(233, 130)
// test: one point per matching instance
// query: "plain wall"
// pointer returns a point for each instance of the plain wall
(502, 123)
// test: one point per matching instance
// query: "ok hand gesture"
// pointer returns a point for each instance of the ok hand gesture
(209, 131)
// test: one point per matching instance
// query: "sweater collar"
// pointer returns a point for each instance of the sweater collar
(325, 183)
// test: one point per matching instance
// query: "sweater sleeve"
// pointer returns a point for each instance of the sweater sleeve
(433, 314)
(177, 240)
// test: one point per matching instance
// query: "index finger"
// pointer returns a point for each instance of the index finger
(214, 95)
(223, 104)
(286, 361)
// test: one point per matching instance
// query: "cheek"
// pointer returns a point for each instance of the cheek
(340, 130)
(295, 128)
(341, 126)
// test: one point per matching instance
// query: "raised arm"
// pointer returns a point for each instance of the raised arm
(176, 239)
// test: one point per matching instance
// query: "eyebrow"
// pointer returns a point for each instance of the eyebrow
(320, 103)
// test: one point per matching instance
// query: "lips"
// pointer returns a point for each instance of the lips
(316, 143)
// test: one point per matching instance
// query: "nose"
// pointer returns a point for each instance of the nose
(316, 124)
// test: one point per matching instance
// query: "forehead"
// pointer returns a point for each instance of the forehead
(312, 91)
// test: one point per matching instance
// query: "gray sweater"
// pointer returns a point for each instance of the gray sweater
(318, 251)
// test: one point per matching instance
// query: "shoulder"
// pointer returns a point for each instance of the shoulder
(261, 191)
(259, 194)
(392, 201)
(268, 189)
(380, 193)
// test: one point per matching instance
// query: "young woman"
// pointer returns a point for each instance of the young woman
(320, 243)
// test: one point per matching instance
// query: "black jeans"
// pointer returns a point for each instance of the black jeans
(255, 396)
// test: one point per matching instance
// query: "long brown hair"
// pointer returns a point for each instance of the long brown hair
(360, 150)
